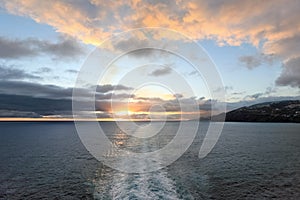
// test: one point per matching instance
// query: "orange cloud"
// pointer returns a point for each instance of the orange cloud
(261, 23)
(230, 22)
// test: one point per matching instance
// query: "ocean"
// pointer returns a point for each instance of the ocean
(46, 160)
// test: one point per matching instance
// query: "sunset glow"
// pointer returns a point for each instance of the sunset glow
(44, 49)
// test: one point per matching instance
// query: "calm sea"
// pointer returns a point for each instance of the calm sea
(46, 160)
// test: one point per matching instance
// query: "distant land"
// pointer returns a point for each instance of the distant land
(279, 111)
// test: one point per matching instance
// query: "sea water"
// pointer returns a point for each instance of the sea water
(46, 160)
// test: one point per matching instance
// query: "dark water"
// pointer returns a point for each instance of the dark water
(250, 161)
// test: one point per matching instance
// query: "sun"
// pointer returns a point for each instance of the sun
(123, 113)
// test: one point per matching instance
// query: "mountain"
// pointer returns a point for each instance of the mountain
(281, 111)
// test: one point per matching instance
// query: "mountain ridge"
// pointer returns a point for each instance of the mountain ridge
(277, 111)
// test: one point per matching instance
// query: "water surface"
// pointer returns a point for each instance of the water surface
(250, 161)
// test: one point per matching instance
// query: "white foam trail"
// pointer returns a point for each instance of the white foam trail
(154, 185)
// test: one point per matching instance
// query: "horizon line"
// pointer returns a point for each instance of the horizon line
(27, 119)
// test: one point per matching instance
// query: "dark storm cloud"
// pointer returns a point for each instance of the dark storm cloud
(16, 48)
(11, 73)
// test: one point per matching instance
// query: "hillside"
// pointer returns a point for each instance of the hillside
(281, 111)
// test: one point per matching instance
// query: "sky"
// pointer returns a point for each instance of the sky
(44, 45)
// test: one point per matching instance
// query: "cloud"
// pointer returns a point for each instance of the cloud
(161, 72)
(26, 106)
(27, 99)
(43, 70)
(16, 113)
(113, 96)
(290, 74)
(110, 88)
(256, 95)
(260, 98)
(143, 104)
(225, 88)
(72, 71)
(287, 47)
(24, 99)
(267, 93)
(15, 48)
(104, 115)
(271, 26)
(65, 48)
(131, 41)
(34, 89)
(250, 61)
(270, 90)
(196, 73)
(261, 95)
(178, 96)
(56, 92)
(138, 46)
(11, 73)
(238, 93)
(84, 22)
(226, 22)
(253, 61)
(152, 99)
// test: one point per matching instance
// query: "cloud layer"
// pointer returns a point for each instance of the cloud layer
(12, 73)
(15, 48)
(25, 99)
(272, 26)
(161, 72)
(252, 61)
